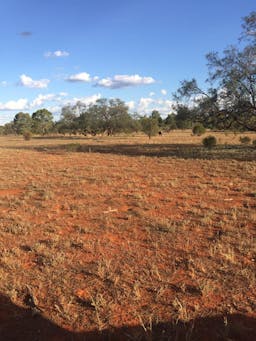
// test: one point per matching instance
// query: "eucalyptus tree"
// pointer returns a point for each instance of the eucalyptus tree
(230, 102)
(42, 121)
(22, 122)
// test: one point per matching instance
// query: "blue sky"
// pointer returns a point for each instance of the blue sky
(56, 52)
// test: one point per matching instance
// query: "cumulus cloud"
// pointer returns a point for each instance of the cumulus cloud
(56, 54)
(52, 102)
(57, 101)
(20, 104)
(25, 104)
(41, 99)
(151, 94)
(30, 83)
(115, 82)
(80, 77)
(164, 92)
(122, 81)
(86, 100)
(56, 107)
(146, 105)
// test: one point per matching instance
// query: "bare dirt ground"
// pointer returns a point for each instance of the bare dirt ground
(126, 238)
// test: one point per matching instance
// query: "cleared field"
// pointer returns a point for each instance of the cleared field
(127, 238)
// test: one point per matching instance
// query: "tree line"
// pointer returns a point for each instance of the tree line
(106, 116)
(228, 103)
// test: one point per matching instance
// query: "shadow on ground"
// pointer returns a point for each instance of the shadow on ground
(18, 323)
(180, 151)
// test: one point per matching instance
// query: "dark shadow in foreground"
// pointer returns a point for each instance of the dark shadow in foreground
(17, 323)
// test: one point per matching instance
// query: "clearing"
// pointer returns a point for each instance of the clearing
(126, 238)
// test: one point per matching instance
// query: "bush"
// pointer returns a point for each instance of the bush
(27, 135)
(245, 139)
(209, 142)
(254, 143)
(149, 126)
(198, 129)
(73, 147)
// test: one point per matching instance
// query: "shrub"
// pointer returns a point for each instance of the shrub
(149, 126)
(245, 139)
(254, 143)
(209, 142)
(27, 135)
(73, 147)
(198, 129)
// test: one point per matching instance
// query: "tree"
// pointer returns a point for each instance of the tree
(22, 122)
(170, 122)
(235, 74)
(104, 116)
(8, 128)
(149, 126)
(112, 116)
(89, 122)
(198, 129)
(69, 120)
(249, 27)
(42, 121)
(157, 116)
(231, 101)
(184, 117)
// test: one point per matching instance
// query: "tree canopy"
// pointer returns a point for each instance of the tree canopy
(42, 121)
(149, 126)
(108, 116)
(22, 122)
(230, 102)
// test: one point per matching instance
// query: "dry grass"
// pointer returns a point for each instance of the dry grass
(105, 240)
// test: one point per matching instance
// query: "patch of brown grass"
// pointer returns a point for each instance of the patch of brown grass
(105, 240)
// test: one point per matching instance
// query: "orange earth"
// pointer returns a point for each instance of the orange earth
(125, 238)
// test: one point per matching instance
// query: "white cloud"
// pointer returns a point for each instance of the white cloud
(56, 107)
(122, 81)
(20, 104)
(30, 83)
(115, 82)
(3, 83)
(41, 99)
(52, 102)
(5, 117)
(131, 105)
(146, 105)
(80, 77)
(151, 94)
(164, 92)
(86, 100)
(64, 94)
(56, 54)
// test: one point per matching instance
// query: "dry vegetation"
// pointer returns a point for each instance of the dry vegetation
(128, 238)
